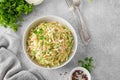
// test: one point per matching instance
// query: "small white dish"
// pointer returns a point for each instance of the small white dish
(51, 19)
(85, 71)
(35, 2)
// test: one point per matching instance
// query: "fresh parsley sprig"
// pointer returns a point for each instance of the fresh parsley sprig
(87, 63)
(11, 12)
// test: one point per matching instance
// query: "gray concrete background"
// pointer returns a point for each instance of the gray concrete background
(102, 18)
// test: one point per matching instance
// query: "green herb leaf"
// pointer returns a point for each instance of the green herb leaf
(35, 31)
(11, 12)
(41, 37)
(40, 31)
(2, 0)
(87, 63)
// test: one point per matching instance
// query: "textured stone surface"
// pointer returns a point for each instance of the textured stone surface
(102, 18)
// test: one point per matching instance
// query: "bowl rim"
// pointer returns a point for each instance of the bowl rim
(70, 27)
(80, 68)
(36, 3)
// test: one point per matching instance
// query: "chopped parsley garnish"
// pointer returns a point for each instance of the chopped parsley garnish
(11, 12)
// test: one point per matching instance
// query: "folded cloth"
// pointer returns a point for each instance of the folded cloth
(10, 67)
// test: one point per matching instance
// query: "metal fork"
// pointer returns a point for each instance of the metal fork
(83, 32)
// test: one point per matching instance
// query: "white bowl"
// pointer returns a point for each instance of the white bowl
(85, 71)
(35, 2)
(49, 19)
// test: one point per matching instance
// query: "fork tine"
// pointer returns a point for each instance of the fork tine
(69, 3)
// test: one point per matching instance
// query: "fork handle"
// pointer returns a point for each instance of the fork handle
(85, 37)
